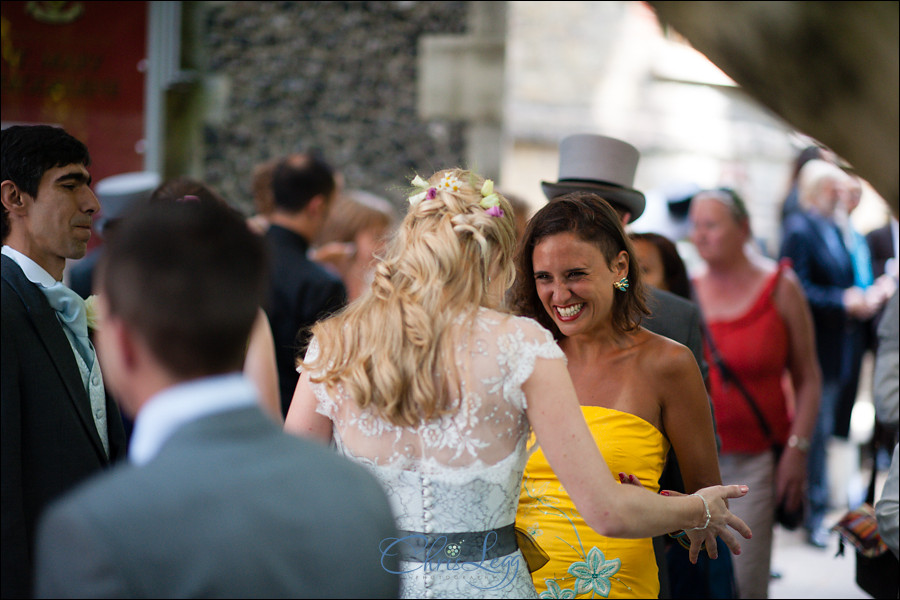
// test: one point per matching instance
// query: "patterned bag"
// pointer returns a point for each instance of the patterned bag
(860, 529)
(876, 565)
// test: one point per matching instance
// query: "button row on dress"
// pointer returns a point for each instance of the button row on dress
(427, 528)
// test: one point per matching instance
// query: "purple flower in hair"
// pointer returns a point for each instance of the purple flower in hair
(431, 193)
(495, 211)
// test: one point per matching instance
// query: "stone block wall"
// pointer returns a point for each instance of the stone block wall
(335, 77)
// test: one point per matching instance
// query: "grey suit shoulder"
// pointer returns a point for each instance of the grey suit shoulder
(231, 507)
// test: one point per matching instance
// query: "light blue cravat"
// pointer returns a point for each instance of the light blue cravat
(72, 312)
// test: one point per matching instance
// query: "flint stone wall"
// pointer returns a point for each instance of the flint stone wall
(334, 77)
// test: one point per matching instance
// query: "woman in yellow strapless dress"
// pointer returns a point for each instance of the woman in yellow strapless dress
(581, 559)
(639, 393)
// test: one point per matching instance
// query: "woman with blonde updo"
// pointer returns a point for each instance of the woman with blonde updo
(428, 383)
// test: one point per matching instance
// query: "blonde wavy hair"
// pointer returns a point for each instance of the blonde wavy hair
(392, 350)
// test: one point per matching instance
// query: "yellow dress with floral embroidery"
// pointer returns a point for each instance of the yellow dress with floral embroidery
(584, 564)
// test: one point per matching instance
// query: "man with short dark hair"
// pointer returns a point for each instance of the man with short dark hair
(58, 425)
(301, 291)
(216, 500)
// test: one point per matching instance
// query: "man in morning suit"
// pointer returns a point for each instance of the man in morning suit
(300, 290)
(58, 426)
(215, 500)
(606, 166)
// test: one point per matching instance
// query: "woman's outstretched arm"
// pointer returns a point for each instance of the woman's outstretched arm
(612, 509)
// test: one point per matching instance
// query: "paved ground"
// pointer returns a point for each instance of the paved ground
(808, 572)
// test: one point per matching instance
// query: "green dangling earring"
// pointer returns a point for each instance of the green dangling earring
(621, 285)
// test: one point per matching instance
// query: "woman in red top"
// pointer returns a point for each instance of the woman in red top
(761, 325)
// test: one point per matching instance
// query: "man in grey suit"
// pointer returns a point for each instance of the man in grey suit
(215, 499)
(606, 166)
(58, 425)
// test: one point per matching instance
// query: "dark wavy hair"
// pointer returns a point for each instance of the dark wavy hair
(674, 270)
(595, 221)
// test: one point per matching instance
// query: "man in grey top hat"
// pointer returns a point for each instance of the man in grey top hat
(606, 166)
(116, 194)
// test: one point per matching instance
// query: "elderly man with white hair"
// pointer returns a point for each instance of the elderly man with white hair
(813, 242)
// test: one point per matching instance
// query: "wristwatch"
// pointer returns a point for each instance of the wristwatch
(801, 444)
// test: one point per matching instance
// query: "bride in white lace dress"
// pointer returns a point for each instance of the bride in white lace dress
(430, 385)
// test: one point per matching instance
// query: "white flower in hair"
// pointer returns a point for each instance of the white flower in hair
(450, 182)
(419, 183)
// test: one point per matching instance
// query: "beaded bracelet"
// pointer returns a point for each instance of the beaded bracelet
(706, 508)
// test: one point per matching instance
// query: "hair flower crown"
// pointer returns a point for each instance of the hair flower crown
(490, 200)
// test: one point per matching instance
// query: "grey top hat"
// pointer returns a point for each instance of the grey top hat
(601, 165)
(119, 192)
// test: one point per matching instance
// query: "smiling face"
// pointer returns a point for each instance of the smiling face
(575, 283)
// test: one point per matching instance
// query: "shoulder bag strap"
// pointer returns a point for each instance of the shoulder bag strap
(729, 375)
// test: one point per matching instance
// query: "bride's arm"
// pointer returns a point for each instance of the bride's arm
(302, 418)
(613, 510)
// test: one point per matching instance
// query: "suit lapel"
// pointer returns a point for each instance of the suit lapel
(838, 257)
(49, 331)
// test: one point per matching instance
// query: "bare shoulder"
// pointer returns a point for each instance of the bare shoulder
(664, 356)
(788, 295)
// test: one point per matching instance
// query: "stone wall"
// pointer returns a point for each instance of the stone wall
(335, 77)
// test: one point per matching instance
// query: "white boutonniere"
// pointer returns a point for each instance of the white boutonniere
(90, 310)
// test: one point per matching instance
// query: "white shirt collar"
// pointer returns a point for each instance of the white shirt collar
(180, 404)
(34, 272)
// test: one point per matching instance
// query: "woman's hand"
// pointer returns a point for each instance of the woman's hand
(630, 479)
(720, 519)
(790, 478)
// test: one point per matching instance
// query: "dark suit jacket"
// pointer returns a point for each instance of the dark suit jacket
(824, 274)
(49, 439)
(81, 275)
(881, 248)
(678, 319)
(301, 292)
(230, 507)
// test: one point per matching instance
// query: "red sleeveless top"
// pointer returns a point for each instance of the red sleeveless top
(755, 347)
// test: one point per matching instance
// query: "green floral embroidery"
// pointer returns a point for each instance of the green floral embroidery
(593, 575)
(554, 591)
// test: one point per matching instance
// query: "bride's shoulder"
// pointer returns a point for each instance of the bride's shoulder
(504, 322)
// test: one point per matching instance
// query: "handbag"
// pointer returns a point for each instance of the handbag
(789, 519)
(876, 565)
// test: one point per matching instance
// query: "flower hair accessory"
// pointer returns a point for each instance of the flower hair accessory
(490, 200)
(428, 192)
